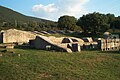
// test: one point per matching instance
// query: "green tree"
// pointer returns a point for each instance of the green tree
(93, 22)
(115, 24)
(67, 23)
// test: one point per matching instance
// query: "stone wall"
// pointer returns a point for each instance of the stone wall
(42, 42)
(53, 43)
(56, 39)
(17, 36)
(110, 44)
(89, 43)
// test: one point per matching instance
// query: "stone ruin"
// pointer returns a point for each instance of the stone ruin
(11, 37)
(89, 43)
(109, 42)
(67, 44)
(16, 36)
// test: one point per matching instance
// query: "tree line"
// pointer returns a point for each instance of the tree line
(93, 23)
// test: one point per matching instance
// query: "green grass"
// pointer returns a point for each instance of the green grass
(47, 65)
(65, 35)
(56, 35)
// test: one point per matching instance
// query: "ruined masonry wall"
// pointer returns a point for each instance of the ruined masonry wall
(109, 44)
(19, 36)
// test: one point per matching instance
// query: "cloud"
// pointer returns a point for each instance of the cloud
(48, 8)
(61, 7)
(45, 11)
(73, 7)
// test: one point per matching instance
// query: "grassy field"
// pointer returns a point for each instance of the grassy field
(47, 65)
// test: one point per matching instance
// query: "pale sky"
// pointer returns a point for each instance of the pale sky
(53, 9)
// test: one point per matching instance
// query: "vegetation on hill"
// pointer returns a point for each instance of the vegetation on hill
(19, 64)
(13, 19)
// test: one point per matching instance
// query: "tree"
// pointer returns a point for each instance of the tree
(111, 17)
(93, 22)
(67, 23)
(116, 24)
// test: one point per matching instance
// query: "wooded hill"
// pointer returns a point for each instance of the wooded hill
(12, 19)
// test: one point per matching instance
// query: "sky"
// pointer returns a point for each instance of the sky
(53, 9)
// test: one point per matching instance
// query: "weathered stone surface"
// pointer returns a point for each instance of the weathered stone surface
(55, 43)
(10, 46)
(57, 40)
(89, 43)
(109, 44)
(1, 55)
(17, 36)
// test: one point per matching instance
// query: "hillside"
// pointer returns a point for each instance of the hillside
(10, 16)
(7, 14)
